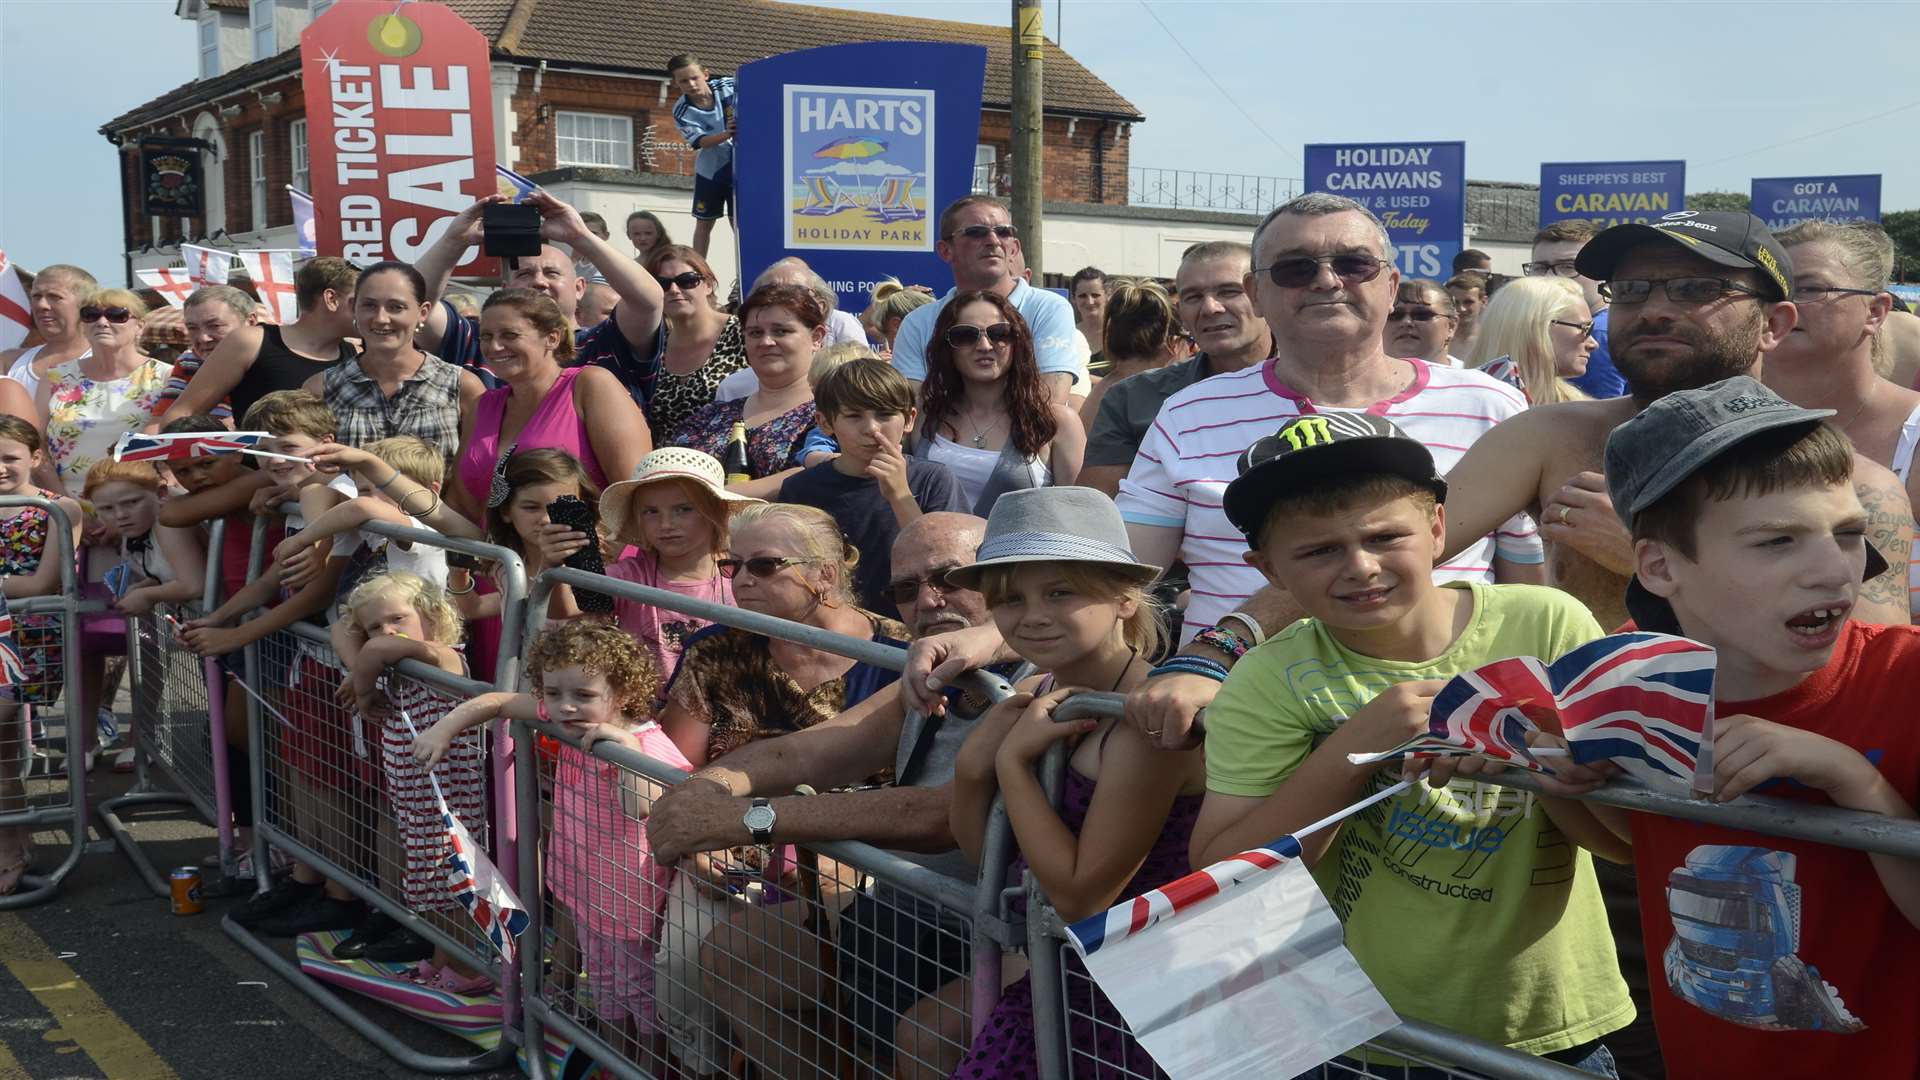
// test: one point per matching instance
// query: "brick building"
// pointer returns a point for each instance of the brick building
(577, 85)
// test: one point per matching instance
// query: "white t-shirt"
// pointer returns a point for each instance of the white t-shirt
(22, 370)
(1190, 453)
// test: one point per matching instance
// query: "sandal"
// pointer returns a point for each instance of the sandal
(452, 982)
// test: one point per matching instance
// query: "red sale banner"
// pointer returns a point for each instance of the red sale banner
(399, 127)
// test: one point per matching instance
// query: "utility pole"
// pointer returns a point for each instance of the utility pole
(1029, 45)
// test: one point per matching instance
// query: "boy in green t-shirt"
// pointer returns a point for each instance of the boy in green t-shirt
(1471, 906)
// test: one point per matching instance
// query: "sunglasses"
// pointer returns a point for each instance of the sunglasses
(1680, 290)
(1419, 315)
(981, 232)
(763, 566)
(115, 315)
(1298, 273)
(1585, 328)
(687, 281)
(966, 337)
(907, 590)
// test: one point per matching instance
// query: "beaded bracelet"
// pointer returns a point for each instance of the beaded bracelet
(1219, 637)
(1191, 665)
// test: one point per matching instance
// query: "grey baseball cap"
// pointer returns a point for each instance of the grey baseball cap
(1673, 438)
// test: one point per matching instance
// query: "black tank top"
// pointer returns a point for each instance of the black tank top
(277, 368)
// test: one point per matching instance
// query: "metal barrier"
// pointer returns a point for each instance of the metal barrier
(337, 791)
(179, 729)
(46, 634)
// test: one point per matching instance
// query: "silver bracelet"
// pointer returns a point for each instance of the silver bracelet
(1252, 624)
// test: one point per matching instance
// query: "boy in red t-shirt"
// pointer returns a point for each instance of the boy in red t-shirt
(1781, 958)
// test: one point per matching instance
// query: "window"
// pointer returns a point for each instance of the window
(257, 171)
(297, 139)
(984, 158)
(320, 8)
(266, 40)
(209, 45)
(594, 139)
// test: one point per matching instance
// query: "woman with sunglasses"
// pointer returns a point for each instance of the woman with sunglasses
(783, 325)
(1421, 323)
(1536, 334)
(88, 403)
(733, 687)
(987, 416)
(1837, 352)
(704, 344)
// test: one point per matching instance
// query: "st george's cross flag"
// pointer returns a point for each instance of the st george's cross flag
(205, 265)
(272, 276)
(1236, 970)
(186, 444)
(1641, 701)
(16, 318)
(172, 282)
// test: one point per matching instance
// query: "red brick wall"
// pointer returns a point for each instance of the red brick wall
(637, 99)
(1068, 171)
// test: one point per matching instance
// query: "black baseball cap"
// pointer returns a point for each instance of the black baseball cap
(1734, 239)
(1675, 437)
(1308, 449)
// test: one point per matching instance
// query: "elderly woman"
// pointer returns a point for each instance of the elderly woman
(89, 403)
(704, 344)
(784, 325)
(733, 687)
(986, 413)
(1421, 323)
(1536, 333)
(585, 411)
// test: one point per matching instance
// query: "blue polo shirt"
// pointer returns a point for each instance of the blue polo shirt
(1049, 319)
(696, 123)
(1601, 379)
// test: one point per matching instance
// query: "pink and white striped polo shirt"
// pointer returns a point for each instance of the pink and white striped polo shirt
(1188, 457)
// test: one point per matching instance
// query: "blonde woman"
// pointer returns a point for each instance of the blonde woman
(1536, 333)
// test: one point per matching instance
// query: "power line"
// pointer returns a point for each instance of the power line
(1208, 75)
(1815, 134)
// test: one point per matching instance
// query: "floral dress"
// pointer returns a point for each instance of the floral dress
(771, 447)
(85, 418)
(676, 397)
(23, 540)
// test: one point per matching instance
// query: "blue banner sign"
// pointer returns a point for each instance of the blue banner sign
(1608, 193)
(1419, 189)
(1782, 201)
(847, 154)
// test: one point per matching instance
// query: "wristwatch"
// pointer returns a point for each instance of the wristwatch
(759, 821)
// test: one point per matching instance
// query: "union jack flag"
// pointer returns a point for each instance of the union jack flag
(1125, 919)
(12, 670)
(1642, 701)
(187, 444)
(476, 883)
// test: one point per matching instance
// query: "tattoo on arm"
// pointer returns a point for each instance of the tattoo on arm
(1890, 531)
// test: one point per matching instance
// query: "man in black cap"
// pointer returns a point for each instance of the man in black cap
(1696, 297)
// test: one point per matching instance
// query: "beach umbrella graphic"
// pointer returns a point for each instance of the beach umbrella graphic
(853, 148)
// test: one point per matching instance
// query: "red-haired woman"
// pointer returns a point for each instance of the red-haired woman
(783, 325)
(986, 414)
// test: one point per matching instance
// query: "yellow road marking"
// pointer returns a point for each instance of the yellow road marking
(104, 1037)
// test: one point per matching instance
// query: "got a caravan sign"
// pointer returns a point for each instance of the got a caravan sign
(846, 154)
(857, 168)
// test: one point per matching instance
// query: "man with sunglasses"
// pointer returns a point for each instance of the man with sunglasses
(978, 240)
(628, 342)
(1323, 279)
(1554, 251)
(708, 811)
(1696, 297)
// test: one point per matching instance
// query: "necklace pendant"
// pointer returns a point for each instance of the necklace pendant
(980, 440)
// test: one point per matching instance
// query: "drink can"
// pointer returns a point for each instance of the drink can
(186, 891)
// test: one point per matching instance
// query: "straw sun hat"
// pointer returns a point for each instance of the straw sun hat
(667, 463)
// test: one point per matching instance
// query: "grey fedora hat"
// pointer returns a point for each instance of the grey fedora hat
(1056, 524)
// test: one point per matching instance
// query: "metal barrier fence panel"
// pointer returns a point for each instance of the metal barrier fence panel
(42, 747)
(340, 792)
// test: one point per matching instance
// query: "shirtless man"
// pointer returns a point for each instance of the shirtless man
(1697, 297)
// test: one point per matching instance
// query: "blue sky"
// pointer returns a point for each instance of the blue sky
(1737, 89)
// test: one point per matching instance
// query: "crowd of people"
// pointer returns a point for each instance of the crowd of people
(1276, 504)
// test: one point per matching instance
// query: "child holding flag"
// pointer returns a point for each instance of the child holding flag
(37, 673)
(1469, 906)
(1070, 598)
(1781, 957)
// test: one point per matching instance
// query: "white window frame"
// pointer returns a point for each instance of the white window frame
(604, 130)
(209, 45)
(985, 157)
(301, 174)
(257, 174)
(260, 20)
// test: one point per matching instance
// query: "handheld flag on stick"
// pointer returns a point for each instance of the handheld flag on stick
(16, 321)
(1237, 969)
(303, 227)
(1642, 701)
(514, 186)
(475, 882)
(193, 444)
